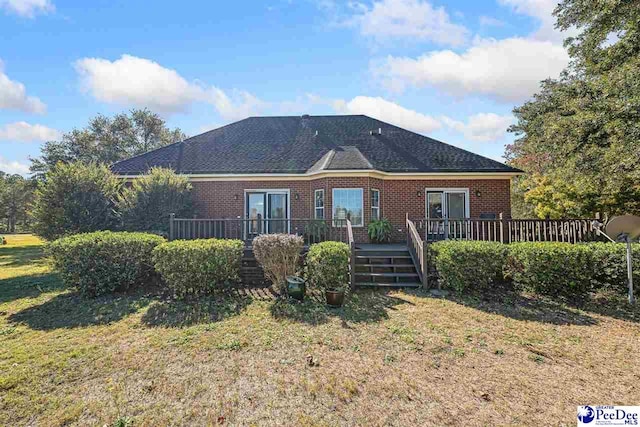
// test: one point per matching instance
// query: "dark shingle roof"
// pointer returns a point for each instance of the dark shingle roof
(300, 144)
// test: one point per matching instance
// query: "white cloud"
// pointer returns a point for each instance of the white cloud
(482, 126)
(25, 132)
(27, 8)
(489, 21)
(241, 104)
(141, 82)
(542, 11)
(13, 96)
(13, 166)
(507, 70)
(387, 111)
(408, 19)
(137, 81)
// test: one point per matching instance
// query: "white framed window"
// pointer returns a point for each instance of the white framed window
(375, 204)
(319, 204)
(447, 203)
(348, 204)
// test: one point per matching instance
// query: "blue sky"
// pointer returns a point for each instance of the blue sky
(452, 70)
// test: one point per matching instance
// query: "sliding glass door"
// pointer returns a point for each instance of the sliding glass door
(256, 208)
(277, 214)
(266, 212)
(443, 205)
(450, 204)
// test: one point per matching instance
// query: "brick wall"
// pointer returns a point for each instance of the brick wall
(225, 199)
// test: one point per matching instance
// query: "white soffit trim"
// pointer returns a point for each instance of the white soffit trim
(343, 173)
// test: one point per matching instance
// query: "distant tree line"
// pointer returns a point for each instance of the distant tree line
(16, 195)
(106, 140)
(81, 157)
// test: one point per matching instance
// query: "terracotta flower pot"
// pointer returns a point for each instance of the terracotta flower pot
(334, 298)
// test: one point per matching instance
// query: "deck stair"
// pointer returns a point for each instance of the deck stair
(385, 266)
(250, 271)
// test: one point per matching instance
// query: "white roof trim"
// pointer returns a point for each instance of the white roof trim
(343, 173)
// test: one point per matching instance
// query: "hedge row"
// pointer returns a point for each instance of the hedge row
(103, 262)
(464, 265)
(196, 267)
(555, 269)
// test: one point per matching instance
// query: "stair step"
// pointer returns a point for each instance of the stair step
(386, 265)
(391, 285)
(388, 274)
(383, 256)
(382, 252)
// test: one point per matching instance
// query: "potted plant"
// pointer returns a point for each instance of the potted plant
(296, 287)
(380, 230)
(335, 295)
(327, 269)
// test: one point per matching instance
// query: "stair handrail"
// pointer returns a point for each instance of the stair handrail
(418, 250)
(352, 260)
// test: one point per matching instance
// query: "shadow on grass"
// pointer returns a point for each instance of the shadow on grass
(71, 310)
(18, 256)
(509, 303)
(613, 303)
(29, 286)
(205, 309)
(361, 306)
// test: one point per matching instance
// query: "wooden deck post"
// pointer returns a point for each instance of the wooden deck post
(353, 265)
(172, 217)
(501, 227)
(425, 266)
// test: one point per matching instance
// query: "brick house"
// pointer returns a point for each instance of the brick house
(330, 167)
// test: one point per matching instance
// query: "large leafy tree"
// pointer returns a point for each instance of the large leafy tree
(578, 137)
(106, 140)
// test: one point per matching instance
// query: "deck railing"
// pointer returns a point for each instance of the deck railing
(507, 230)
(418, 250)
(352, 258)
(313, 230)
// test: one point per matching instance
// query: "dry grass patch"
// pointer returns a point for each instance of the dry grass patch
(399, 358)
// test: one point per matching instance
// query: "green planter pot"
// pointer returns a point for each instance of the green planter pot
(296, 287)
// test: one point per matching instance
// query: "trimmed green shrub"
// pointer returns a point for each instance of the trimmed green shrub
(380, 231)
(464, 265)
(103, 262)
(76, 198)
(197, 267)
(554, 269)
(327, 266)
(147, 204)
(279, 256)
(610, 265)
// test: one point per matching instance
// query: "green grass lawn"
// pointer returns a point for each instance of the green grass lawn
(398, 358)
